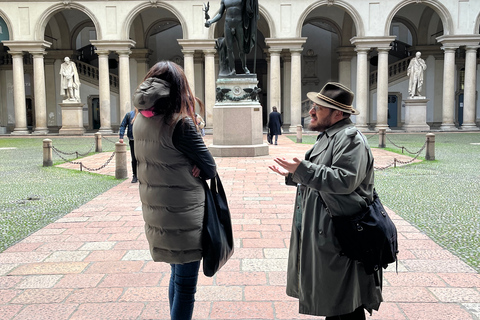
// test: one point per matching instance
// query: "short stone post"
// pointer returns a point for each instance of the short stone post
(430, 153)
(98, 142)
(381, 138)
(120, 161)
(47, 153)
(299, 133)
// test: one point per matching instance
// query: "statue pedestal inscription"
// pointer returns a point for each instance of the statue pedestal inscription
(237, 118)
(72, 118)
(416, 114)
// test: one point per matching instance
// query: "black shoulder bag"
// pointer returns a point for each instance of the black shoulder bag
(369, 237)
(217, 237)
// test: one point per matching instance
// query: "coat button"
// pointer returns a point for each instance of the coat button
(320, 231)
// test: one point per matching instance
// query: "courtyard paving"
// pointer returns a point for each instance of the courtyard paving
(94, 264)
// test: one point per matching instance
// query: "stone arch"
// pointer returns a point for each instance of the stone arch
(354, 15)
(77, 29)
(476, 28)
(410, 26)
(137, 10)
(152, 26)
(330, 22)
(50, 12)
(8, 23)
(440, 9)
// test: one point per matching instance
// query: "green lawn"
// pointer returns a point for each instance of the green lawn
(33, 196)
(441, 197)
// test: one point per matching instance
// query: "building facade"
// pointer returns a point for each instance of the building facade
(301, 44)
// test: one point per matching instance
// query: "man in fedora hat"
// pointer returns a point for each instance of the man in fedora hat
(335, 179)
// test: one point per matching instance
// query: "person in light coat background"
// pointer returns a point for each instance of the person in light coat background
(336, 178)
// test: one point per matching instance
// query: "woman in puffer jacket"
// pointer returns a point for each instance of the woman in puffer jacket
(172, 159)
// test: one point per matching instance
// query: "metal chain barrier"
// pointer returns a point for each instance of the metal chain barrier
(74, 152)
(404, 148)
(395, 160)
(109, 139)
(371, 136)
(82, 166)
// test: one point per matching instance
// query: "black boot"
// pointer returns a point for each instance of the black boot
(134, 179)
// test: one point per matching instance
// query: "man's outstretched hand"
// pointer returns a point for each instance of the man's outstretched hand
(285, 167)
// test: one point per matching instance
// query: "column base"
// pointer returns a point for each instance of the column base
(416, 128)
(363, 128)
(381, 126)
(469, 127)
(448, 127)
(293, 129)
(239, 151)
(40, 131)
(20, 132)
(105, 130)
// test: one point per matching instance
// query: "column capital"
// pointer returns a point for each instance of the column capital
(384, 50)
(274, 51)
(472, 47)
(124, 52)
(188, 52)
(102, 52)
(372, 42)
(281, 43)
(209, 52)
(27, 46)
(112, 45)
(296, 51)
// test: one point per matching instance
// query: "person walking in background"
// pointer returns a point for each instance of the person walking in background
(127, 123)
(274, 125)
(335, 179)
(172, 159)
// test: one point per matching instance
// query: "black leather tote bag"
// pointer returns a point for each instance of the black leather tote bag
(217, 238)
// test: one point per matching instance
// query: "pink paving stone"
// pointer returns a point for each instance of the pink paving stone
(241, 310)
(247, 235)
(407, 294)
(79, 281)
(7, 295)
(130, 236)
(279, 234)
(22, 257)
(241, 278)
(105, 255)
(9, 281)
(115, 267)
(434, 311)
(23, 247)
(288, 310)
(31, 296)
(433, 255)
(387, 311)
(46, 311)
(131, 280)
(96, 237)
(82, 230)
(145, 294)
(108, 311)
(418, 244)
(460, 295)
(50, 268)
(249, 253)
(96, 295)
(405, 255)
(414, 279)
(9, 311)
(131, 245)
(265, 293)
(461, 279)
(152, 266)
(46, 238)
(263, 243)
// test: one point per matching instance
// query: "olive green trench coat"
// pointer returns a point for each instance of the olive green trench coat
(337, 174)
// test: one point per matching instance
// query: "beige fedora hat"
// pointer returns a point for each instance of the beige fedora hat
(336, 96)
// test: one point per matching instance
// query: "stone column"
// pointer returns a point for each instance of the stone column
(39, 91)
(345, 55)
(275, 90)
(19, 94)
(124, 79)
(448, 104)
(470, 89)
(209, 86)
(382, 88)
(361, 94)
(296, 90)
(104, 91)
(285, 92)
(189, 68)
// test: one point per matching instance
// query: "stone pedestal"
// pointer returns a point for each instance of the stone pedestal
(416, 115)
(237, 119)
(72, 118)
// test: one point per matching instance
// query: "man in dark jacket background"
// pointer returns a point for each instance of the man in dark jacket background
(127, 123)
(274, 125)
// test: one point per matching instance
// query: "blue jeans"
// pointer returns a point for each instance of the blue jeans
(182, 288)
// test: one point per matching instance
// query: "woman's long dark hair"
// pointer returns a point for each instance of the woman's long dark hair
(181, 99)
